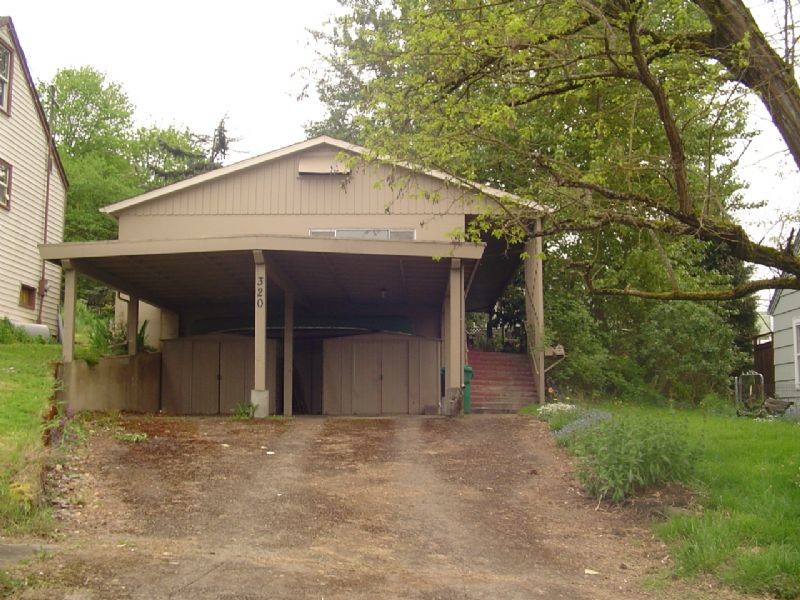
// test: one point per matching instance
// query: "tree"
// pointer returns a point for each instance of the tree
(107, 158)
(164, 156)
(620, 116)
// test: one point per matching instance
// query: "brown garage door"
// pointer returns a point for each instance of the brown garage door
(380, 374)
(206, 375)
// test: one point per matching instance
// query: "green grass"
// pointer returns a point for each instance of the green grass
(747, 533)
(26, 384)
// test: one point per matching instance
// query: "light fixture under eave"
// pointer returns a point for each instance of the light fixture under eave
(383, 293)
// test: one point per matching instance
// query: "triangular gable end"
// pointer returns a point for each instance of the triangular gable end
(316, 160)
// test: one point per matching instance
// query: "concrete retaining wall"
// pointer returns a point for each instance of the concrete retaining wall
(129, 383)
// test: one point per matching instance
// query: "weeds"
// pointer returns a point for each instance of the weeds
(133, 437)
(620, 456)
(26, 384)
(243, 411)
(9, 334)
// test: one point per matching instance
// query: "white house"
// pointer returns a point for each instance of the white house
(785, 310)
(32, 193)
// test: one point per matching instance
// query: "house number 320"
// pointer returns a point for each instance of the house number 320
(259, 291)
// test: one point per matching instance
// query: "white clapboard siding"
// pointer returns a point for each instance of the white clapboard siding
(786, 310)
(24, 145)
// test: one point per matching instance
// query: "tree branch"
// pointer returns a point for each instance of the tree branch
(732, 293)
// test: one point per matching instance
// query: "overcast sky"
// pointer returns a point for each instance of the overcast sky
(187, 63)
(190, 63)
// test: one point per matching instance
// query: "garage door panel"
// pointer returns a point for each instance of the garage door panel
(205, 385)
(232, 371)
(366, 378)
(394, 384)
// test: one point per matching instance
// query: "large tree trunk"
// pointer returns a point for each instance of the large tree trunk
(756, 65)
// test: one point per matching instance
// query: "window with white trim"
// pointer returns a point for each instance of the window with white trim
(5, 77)
(796, 348)
(365, 234)
(5, 184)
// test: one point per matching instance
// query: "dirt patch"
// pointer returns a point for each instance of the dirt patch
(428, 508)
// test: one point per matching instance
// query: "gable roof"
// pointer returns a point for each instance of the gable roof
(7, 22)
(323, 140)
(776, 296)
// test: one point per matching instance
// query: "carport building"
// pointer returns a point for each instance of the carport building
(303, 280)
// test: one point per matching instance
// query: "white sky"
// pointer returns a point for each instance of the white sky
(188, 64)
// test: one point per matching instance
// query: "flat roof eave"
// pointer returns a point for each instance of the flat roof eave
(76, 250)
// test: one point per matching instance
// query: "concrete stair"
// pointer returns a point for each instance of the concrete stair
(502, 382)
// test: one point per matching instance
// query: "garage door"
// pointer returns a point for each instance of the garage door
(380, 374)
(208, 375)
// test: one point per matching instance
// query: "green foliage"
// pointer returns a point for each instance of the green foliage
(627, 454)
(746, 532)
(243, 411)
(132, 437)
(686, 350)
(27, 380)
(14, 335)
(98, 335)
(108, 159)
(556, 415)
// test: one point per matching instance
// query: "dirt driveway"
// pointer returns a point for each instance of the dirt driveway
(428, 508)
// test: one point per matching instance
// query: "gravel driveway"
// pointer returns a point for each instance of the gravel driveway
(414, 507)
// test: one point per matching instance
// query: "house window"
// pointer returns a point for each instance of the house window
(5, 184)
(365, 234)
(5, 77)
(27, 296)
(796, 339)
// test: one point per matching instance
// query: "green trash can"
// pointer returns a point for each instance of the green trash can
(467, 389)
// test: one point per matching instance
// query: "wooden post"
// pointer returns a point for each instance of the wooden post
(259, 396)
(288, 351)
(133, 324)
(68, 338)
(454, 319)
(534, 308)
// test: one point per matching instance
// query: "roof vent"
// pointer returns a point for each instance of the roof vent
(322, 165)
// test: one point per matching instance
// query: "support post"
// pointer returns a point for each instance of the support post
(288, 351)
(534, 308)
(454, 366)
(259, 396)
(68, 336)
(132, 324)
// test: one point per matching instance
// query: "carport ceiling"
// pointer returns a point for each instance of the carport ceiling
(191, 279)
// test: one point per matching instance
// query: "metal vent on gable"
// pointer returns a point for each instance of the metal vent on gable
(322, 165)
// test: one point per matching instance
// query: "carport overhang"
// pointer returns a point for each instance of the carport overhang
(178, 273)
(243, 271)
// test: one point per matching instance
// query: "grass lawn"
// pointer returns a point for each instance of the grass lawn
(746, 531)
(26, 383)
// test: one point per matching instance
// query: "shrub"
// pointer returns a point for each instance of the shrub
(558, 414)
(623, 455)
(586, 419)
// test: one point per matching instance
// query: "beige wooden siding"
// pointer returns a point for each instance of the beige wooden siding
(134, 228)
(380, 374)
(274, 198)
(23, 144)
